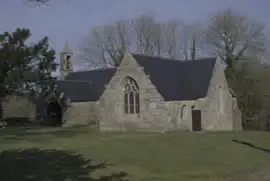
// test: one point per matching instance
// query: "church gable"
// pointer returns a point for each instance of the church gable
(129, 69)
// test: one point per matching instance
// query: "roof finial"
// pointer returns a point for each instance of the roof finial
(66, 48)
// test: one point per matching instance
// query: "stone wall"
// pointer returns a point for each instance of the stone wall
(19, 107)
(216, 119)
(178, 115)
(81, 113)
(217, 107)
(112, 101)
(237, 121)
(155, 113)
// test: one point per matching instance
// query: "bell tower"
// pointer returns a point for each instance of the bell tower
(65, 61)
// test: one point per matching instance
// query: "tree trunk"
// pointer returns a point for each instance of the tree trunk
(193, 49)
(2, 122)
(1, 111)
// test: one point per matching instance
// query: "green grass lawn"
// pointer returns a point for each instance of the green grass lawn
(85, 155)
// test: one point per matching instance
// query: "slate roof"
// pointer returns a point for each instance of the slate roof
(178, 80)
(76, 91)
(174, 79)
(97, 79)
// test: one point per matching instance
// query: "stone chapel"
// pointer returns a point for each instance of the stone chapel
(147, 94)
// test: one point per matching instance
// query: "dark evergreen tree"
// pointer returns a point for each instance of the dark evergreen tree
(25, 69)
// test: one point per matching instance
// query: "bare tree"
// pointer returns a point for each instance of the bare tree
(93, 49)
(193, 49)
(148, 35)
(38, 1)
(106, 45)
(240, 42)
(172, 38)
(193, 41)
(118, 39)
(233, 36)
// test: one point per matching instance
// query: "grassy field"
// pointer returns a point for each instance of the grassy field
(84, 155)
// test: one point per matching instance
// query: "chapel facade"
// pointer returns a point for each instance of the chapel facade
(149, 94)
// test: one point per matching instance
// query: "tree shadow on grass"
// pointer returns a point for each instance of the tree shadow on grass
(22, 134)
(50, 165)
(251, 145)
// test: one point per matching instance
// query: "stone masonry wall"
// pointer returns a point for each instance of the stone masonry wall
(81, 113)
(237, 122)
(18, 107)
(177, 117)
(112, 101)
(216, 119)
(155, 113)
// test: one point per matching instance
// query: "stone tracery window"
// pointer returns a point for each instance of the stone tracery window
(131, 97)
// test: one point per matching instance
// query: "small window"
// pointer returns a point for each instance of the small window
(137, 108)
(221, 100)
(126, 103)
(131, 102)
(68, 63)
(184, 112)
(68, 57)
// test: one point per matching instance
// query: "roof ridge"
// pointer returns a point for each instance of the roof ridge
(177, 60)
(74, 81)
(93, 70)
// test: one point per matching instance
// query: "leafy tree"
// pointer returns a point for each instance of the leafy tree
(25, 69)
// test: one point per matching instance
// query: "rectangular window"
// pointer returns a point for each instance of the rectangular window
(126, 103)
(221, 101)
(131, 102)
(68, 57)
(137, 103)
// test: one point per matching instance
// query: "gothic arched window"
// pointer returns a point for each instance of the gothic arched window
(131, 96)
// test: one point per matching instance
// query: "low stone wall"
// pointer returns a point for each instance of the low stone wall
(169, 116)
(19, 107)
(156, 116)
(237, 115)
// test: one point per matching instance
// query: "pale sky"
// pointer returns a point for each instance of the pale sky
(71, 20)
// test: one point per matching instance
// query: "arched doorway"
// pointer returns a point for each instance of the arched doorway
(54, 113)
